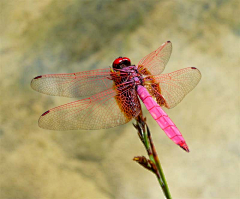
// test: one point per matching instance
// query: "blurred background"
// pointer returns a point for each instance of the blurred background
(52, 36)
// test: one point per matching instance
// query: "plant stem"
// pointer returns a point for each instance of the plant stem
(153, 164)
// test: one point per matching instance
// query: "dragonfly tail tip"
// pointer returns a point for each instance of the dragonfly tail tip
(184, 147)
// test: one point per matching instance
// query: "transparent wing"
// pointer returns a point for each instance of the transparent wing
(103, 110)
(174, 86)
(79, 84)
(155, 62)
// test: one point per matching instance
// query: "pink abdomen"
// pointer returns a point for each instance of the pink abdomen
(161, 118)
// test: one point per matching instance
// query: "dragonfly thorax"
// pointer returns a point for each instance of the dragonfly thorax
(134, 77)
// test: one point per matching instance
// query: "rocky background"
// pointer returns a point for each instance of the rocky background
(63, 36)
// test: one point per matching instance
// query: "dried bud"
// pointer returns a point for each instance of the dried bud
(143, 161)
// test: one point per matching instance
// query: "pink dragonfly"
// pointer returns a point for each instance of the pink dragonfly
(112, 94)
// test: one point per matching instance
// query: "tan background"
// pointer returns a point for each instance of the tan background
(52, 36)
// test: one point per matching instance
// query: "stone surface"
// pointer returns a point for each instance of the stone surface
(50, 36)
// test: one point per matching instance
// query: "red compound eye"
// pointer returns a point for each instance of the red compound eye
(127, 61)
(121, 60)
(117, 62)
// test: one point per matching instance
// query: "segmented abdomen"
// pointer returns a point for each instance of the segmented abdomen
(161, 118)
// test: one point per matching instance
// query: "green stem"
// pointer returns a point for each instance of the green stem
(159, 167)
(145, 136)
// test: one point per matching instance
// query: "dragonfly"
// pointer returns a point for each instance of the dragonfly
(111, 97)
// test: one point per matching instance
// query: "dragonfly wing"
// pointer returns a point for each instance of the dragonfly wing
(103, 110)
(176, 85)
(79, 84)
(155, 62)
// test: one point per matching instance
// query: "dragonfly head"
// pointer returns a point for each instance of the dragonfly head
(121, 62)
